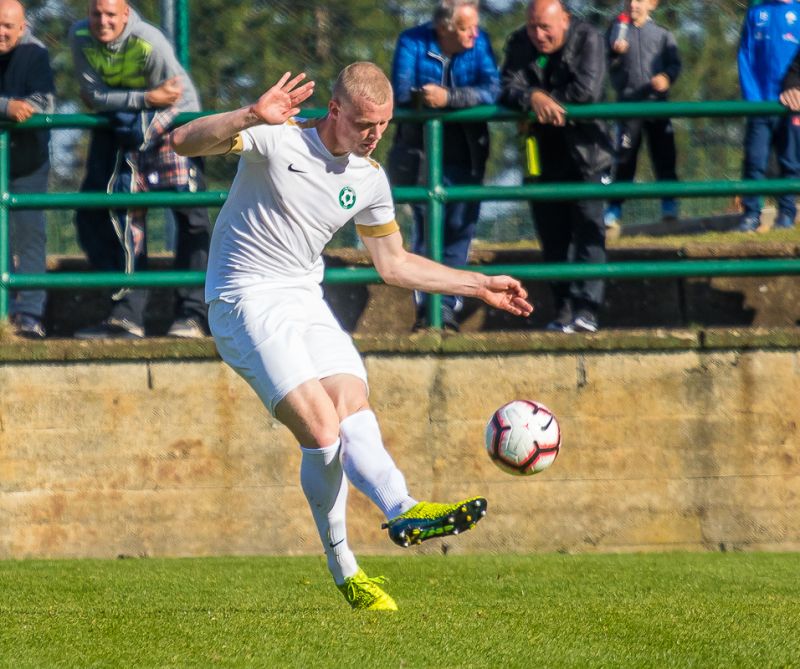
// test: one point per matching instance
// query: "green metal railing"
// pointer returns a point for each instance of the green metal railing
(434, 193)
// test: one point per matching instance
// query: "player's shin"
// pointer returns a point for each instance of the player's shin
(325, 488)
(369, 466)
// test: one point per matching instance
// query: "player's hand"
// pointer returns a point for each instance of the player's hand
(19, 110)
(504, 292)
(547, 110)
(434, 96)
(791, 98)
(283, 100)
(165, 95)
(660, 83)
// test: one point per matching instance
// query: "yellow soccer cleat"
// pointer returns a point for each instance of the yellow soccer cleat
(427, 520)
(363, 593)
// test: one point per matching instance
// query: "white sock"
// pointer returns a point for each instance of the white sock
(325, 488)
(369, 467)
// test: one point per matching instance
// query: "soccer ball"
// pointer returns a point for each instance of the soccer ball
(523, 437)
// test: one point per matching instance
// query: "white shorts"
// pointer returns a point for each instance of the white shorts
(279, 339)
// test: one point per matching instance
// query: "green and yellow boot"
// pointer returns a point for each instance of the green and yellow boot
(427, 520)
(364, 594)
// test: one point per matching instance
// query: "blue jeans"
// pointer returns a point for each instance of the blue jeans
(460, 221)
(762, 134)
(29, 241)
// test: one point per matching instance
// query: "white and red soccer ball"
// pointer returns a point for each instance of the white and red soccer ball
(523, 437)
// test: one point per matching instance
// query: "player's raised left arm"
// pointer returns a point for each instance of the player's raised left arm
(213, 135)
(398, 267)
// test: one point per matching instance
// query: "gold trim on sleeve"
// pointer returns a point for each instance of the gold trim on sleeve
(383, 230)
(236, 144)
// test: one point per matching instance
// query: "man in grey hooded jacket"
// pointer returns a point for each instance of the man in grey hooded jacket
(128, 70)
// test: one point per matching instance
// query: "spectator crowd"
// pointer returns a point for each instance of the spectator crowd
(128, 72)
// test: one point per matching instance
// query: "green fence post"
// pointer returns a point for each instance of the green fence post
(5, 240)
(182, 32)
(434, 228)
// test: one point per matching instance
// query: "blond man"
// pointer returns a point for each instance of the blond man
(297, 184)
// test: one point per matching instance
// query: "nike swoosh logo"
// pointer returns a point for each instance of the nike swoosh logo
(336, 544)
(292, 168)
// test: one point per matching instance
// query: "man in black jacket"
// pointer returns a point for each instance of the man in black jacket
(554, 60)
(26, 88)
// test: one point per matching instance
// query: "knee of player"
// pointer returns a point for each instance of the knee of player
(353, 408)
(323, 435)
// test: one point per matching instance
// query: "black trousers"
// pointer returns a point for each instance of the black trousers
(660, 144)
(573, 231)
(98, 239)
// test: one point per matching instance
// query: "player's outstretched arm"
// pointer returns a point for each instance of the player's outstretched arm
(398, 267)
(211, 135)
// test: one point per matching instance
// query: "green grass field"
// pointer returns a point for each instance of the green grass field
(654, 610)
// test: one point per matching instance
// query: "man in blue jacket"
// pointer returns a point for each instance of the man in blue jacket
(447, 62)
(769, 42)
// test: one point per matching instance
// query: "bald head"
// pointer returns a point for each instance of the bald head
(547, 25)
(107, 19)
(12, 24)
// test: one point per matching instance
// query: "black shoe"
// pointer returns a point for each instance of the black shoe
(449, 320)
(562, 322)
(186, 328)
(112, 328)
(585, 321)
(421, 321)
(558, 326)
(28, 326)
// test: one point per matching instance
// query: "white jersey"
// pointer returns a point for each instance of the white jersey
(290, 195)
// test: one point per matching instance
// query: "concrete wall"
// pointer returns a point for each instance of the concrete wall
(677, 447)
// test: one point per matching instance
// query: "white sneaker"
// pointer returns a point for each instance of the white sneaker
(186, 328)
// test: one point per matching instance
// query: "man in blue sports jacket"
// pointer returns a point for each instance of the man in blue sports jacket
(447, 62)
(769, 42)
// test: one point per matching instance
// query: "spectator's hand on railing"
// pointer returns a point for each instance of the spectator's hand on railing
(791, 98)
(660, 83)
(506, 293)
(434, 96)
(19, 110)
(283, 100)
(547, 110)
(165, 95)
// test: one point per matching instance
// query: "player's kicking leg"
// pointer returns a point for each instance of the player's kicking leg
(371, 469)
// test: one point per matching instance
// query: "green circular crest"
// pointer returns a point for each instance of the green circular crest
(347, 197)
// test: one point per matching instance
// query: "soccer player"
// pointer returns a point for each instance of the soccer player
(297, 183)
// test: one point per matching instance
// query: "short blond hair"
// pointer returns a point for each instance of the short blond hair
(363, 80)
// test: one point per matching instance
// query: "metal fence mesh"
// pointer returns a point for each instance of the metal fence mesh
(238, 48)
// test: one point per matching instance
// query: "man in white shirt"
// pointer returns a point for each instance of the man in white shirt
(296, 185)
